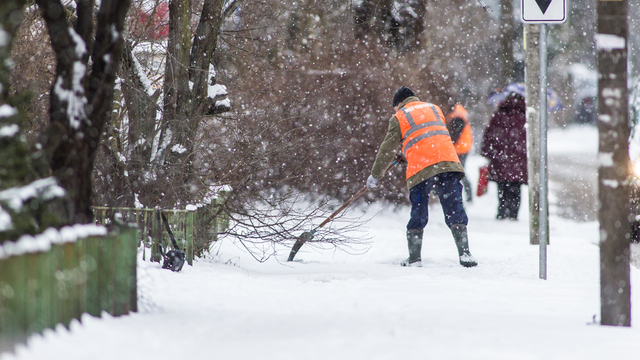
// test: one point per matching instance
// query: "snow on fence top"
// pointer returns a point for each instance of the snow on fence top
(213, 194)
(42, 242)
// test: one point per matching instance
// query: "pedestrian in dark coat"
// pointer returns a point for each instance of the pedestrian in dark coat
(505, 145)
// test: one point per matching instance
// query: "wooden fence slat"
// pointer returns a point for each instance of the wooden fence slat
(47, 278)
(175, 228)
(121, 293)
(106, 276)
(4, 307)
(32, 292)
(5, 328)
(138, 228)
(145, 235)
(126, 293)
(82, 275)
(156, 238)
(60, 294)
(92, 253)
(71, 277)
(133, 272)
(42, 289)
(151, 230)
(189, 236)
(13, 290)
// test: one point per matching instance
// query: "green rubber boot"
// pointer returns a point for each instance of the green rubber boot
(414, 242)
(459, 232)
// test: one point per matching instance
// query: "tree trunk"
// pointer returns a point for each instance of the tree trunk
(177, 102)
(15, 164)
(506, 42)
(186, 85)
(11, 13)
(137, 146)
(613, 170)
(204, 47)
(21, 168)
(81, 99)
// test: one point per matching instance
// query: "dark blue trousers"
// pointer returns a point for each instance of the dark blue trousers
(449, 190)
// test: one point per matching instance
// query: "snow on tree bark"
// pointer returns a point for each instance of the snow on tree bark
(81, 99)
(28, 201)
(613, 166)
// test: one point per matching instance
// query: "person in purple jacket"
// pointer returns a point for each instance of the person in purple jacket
(505, 145)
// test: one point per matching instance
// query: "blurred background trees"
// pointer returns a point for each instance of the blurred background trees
(288, 97)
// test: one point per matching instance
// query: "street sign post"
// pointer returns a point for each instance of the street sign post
(543, 12)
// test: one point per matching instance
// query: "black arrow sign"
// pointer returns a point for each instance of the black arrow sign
(543, 5)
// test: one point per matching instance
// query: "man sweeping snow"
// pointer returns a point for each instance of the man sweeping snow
(431, 162)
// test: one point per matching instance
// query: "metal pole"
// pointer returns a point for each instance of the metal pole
(532, 81)
(543, 152)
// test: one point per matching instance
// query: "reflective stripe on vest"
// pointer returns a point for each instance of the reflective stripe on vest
(425, 139)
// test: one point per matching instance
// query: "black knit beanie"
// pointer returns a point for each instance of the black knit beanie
(401, 94)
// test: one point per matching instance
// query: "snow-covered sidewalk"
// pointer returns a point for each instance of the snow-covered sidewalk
(333, 305)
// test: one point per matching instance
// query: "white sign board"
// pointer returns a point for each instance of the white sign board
(544, 11)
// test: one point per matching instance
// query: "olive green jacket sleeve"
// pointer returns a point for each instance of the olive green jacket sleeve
(388, 149)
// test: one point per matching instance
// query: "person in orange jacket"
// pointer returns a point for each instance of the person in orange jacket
(419, 128)
(462, 137)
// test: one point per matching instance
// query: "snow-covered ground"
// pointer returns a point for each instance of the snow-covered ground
(334, 305)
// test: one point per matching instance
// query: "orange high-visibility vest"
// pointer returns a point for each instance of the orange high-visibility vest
(425, 138)
(465, 140)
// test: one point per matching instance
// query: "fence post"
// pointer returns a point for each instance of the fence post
(14, 319)
(131, 245)
(106, 274)
(68, 291)
(55, 255)
(82, 275)
(145, 235)
(48, 276)
(180, 221)
(60, 293)
(121, 271)
(156, 226)
(91, 259)
(16, 299)
(138, 227)
(189, 235)
(33, 295)
(4, 308)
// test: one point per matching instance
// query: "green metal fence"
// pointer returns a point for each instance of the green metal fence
(55, 277)
(48, 280)
(193, 229)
